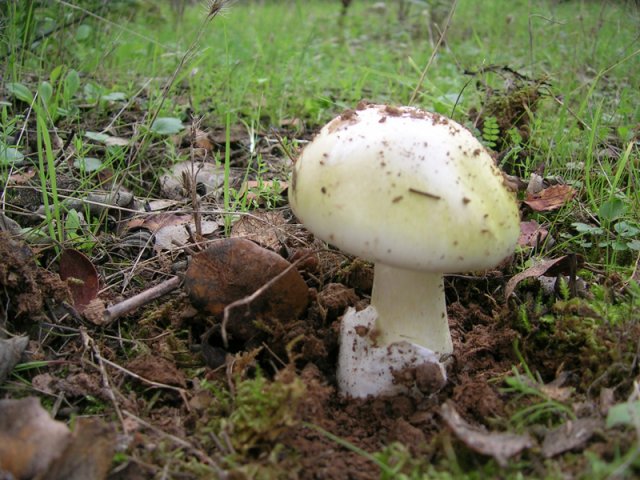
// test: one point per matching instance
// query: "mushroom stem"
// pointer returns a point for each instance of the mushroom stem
(411, 307)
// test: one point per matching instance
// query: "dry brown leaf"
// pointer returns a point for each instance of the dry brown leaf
(551, 198)
(29, 439)
(531, 234)
(201, 140)
(557, 393)
(21, 178)
(532, 272)
(206, 177)
(73, 385)
(81, 276)
(267, 228)
(233, 269)
(501, 446)
(571, 435)
(10, 352)
(294, 122)
(172, 236)
(155, 222)
(88, 455)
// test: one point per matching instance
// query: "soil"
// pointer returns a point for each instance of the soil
(193, 397)
(305, 348)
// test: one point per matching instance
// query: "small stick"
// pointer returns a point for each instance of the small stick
(130, 304)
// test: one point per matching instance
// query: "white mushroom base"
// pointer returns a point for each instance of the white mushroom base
(365, 368)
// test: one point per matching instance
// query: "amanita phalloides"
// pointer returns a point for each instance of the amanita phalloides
(418, 195)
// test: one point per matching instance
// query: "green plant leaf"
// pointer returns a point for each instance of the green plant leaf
(627, 413)
(88, 164)
(612, 210)
(55, 73)
(97, 136)
(83, 32)
(92, 91)
(20, 91)
(619, 245)
(45, 90)
(585, 228)
(634, 245)
(626, 229)
(71, 84)
(9, 155)
(114, 97)
(167, 126)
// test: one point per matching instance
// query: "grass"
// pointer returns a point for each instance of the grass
(551, 86)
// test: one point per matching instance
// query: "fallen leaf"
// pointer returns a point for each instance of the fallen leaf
(11, 350)
(171, 229)
(171, 236)
(81, 276)
(73, 385)
(207, 178)
(294, 122)
(10, 226)
(201, 140)
(531, 234)
(569, 436)
(266, 228)
(501, 446)
(557, 393)
(551, 198)
(21, 178)
(536, 184)
(160, 204)
(157, 221)
(88, 454)
(555, 266)
(233, 269)
(29, 439)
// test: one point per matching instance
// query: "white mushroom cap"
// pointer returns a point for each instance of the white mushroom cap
(406, 188)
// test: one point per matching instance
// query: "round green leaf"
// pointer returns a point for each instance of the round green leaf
(612, 210)
(88, 164)
(9, 155)
(167, 126)
(83, 32)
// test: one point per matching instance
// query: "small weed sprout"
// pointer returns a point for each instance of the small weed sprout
(543, 409)
(490, 131)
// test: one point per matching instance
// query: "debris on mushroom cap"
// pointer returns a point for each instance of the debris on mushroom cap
(405, 187)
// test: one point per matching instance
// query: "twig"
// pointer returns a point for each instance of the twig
(130, 304)
(90, 343)
(433, 53)
(181, 391)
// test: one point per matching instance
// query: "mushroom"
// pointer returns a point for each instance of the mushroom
(418, 195)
